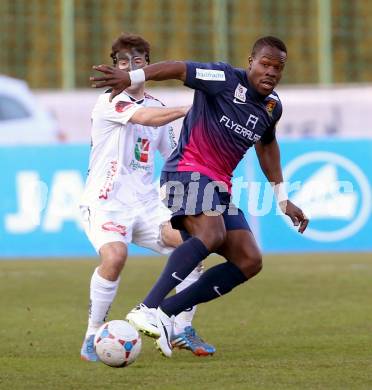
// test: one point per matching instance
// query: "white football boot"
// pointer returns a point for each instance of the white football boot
(165, 327)
(144, 320)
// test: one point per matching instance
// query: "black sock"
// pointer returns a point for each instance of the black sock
(180, 263)
(216, 281)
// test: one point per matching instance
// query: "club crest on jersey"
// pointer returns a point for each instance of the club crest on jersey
(141, 150)
(240, 93)
(121, 106)
(270, 107)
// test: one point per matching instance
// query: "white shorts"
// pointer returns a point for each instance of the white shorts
(140, 225)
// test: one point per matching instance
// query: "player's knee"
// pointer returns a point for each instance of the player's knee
(170, 237)
(257, 268)
(252, 265)
(113, 258)
(116, 257)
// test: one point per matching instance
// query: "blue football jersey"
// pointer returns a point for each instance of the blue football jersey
(226, 118)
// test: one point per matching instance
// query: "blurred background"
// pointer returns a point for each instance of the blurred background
(53, 44)
(49, 47)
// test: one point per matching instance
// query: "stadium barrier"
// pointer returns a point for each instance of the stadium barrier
(308, 112)
(331, 180)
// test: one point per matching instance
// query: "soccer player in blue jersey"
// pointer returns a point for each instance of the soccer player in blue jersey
(233, 109)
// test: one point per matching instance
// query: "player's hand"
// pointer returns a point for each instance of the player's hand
(296, 214)
(113, 77)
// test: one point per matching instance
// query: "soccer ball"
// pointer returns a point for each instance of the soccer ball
(117, 343)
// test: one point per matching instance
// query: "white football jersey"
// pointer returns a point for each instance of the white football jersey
(121, 164)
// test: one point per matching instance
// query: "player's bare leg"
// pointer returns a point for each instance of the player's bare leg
(103, 287)
(241, 249)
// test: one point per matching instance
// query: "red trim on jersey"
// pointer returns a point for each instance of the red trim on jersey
(121, 106)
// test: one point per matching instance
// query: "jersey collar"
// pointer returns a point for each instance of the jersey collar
(139, 101)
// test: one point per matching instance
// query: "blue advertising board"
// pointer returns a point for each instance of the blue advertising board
(38, 209)
(330, 180)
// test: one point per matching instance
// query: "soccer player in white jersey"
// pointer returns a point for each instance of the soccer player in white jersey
(121, 202)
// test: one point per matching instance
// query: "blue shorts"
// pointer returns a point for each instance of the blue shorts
(191, 193)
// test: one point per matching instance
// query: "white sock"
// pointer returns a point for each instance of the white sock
(102, 294)
(185, 318)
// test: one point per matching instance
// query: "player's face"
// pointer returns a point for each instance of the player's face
(265, 69)
(131, 59)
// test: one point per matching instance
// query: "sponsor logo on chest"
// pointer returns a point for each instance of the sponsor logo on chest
(210, 74)
(246, 131)
(141, 155)
(141, 150)
(240, 94)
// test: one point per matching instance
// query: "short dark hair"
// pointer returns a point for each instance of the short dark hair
(130, 41)
(268, 41)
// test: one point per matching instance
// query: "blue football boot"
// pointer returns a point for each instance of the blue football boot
(87, 352)
(189, 339)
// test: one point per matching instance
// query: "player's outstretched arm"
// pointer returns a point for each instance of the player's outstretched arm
(158, 116)
(119, 79)
(269, 158)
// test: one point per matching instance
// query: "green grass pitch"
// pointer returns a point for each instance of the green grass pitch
(304, 323)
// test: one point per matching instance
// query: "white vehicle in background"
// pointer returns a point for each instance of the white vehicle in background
(22, 119)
